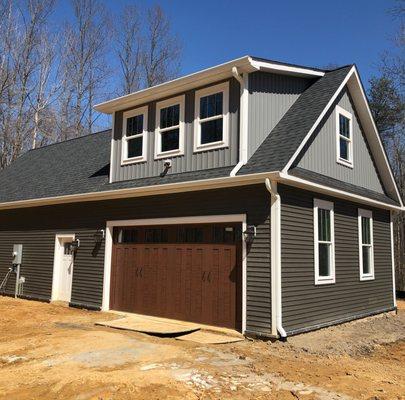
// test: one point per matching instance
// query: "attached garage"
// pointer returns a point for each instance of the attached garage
(190, 272)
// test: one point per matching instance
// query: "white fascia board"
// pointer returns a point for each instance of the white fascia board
(201, 78)
(286, 69)
(194, 80)
(316, 187)
(187, 186)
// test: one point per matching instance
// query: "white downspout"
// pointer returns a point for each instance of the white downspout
(243, 119)
(275, 221)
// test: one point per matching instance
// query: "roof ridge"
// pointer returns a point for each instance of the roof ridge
(69, 140)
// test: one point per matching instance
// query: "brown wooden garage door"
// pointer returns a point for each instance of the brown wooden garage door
(189, 273)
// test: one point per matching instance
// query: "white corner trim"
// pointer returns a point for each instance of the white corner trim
(124, 147)
(206, 219)
(112, 149)
(367, 214)
(243, 124)
(341, 111)
(394, 294)
(224, 88)
(325, 205)
(180, 100)
(56, 263)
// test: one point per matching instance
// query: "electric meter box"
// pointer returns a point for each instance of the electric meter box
(17, 253)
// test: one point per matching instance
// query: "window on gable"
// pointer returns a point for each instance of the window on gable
(134, 136)
(344, 136)
(211, 120)
(169, 127)
(324, 242)
(366, 247)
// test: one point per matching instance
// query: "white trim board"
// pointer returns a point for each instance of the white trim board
(206, 219)
(355, 87)
(202, 78)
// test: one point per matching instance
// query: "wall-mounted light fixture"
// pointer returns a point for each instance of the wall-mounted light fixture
(74, 245)
(99, 236)
(250, 233)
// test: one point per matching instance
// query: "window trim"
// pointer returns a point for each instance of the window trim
(349, 116)
(367, 214)
(125, 160)
(224, 88)
(180, 100)
(325, 205)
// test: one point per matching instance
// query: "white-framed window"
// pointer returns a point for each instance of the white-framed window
(169, 132)
(324, 240)
(366, 246)
(134, 135)
(211, 123)
(344, 137)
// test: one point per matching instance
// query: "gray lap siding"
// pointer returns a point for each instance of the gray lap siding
(306, 305)
(36, 227)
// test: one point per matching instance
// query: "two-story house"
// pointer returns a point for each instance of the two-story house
(254, 195)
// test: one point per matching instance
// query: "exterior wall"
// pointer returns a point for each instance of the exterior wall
(270, 97)
(320, 156)
(306, 305)
(190, 161)
(36, 229)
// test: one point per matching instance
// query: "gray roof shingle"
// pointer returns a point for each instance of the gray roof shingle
(76, 166)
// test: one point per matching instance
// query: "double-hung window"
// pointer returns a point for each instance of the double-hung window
(211, 118)
(344, 137)
(134, 138)
(366, 247)
(324, 239)
(169, 133)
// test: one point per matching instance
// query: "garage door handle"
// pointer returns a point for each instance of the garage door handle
(203, 277)
(140, 272)
(209, 277)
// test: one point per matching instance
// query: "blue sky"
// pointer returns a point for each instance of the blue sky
(313, 33)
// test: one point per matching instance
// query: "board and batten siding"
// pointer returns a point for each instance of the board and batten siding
(36, 228)
(270, 97)
(320, 155)
(190, 161)
(306, 305)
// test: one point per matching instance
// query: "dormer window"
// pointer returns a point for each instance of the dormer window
(134, 136)
(169, 140)
(344, 137)
(211, 117)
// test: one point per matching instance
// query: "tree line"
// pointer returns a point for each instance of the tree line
(53, 72)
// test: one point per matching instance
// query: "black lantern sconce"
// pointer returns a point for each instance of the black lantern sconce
(99, 236)
(74, 245)
(250, 233)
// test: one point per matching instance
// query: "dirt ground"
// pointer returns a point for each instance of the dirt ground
(49, 351)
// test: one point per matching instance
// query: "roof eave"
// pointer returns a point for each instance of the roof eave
(244, 64)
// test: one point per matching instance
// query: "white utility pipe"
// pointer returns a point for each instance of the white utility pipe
(275, 220)
(242, 122)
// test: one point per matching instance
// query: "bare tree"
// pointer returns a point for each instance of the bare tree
(129, 50)
(83, 67)
(162, 50)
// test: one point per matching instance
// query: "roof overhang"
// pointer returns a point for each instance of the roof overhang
(189, 186)
(244, 64)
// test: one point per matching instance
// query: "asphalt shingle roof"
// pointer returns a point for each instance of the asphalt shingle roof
(340, 185)
(76, 166)
(82, 165)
